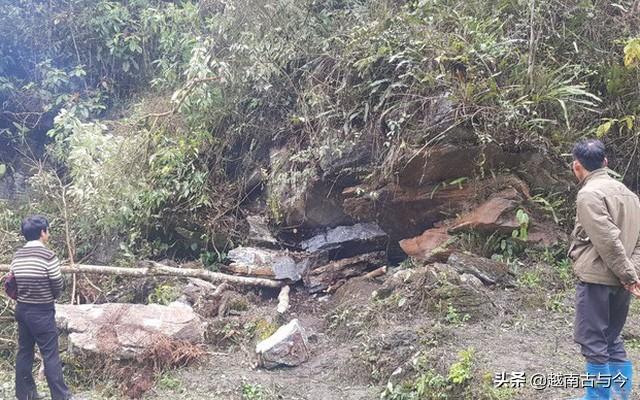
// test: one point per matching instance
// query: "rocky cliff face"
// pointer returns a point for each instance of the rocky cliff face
(340, 218)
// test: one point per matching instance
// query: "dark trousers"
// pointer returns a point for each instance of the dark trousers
(601, 312)
(36, 325)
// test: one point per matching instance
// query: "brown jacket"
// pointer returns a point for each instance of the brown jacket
(605, 246)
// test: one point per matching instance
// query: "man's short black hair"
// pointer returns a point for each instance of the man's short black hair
(33, 226)
(590, 153)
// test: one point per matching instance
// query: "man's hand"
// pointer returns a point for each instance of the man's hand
(634, 288)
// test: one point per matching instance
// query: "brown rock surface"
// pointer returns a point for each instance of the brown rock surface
(497, 214)
(432, 245)
(445, 162)
(404, 212)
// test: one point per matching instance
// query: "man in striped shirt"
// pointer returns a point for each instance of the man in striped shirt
(37, 272)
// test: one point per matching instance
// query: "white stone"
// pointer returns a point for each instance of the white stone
(286, 347)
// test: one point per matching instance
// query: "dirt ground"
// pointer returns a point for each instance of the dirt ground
(353, 357)
(532, 341)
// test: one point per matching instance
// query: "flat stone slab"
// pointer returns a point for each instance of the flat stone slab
(347, 241)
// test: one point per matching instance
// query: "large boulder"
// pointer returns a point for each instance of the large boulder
(439, 163)
(542, 171)
(340, 161)
(286, 347)
(545, 233)
(123, 331)
(320, 207)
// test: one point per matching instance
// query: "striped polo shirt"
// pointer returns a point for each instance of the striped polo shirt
(37, 272)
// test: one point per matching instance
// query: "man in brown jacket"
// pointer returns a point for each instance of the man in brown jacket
(605, 250)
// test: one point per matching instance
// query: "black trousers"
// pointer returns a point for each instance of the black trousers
(36, 325)
(601, 312)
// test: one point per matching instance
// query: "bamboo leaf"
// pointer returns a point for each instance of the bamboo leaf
(566, 113)
(603, 129)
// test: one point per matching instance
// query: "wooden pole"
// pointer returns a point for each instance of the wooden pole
(163, 270)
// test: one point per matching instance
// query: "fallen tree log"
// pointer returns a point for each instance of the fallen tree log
(163, 270)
